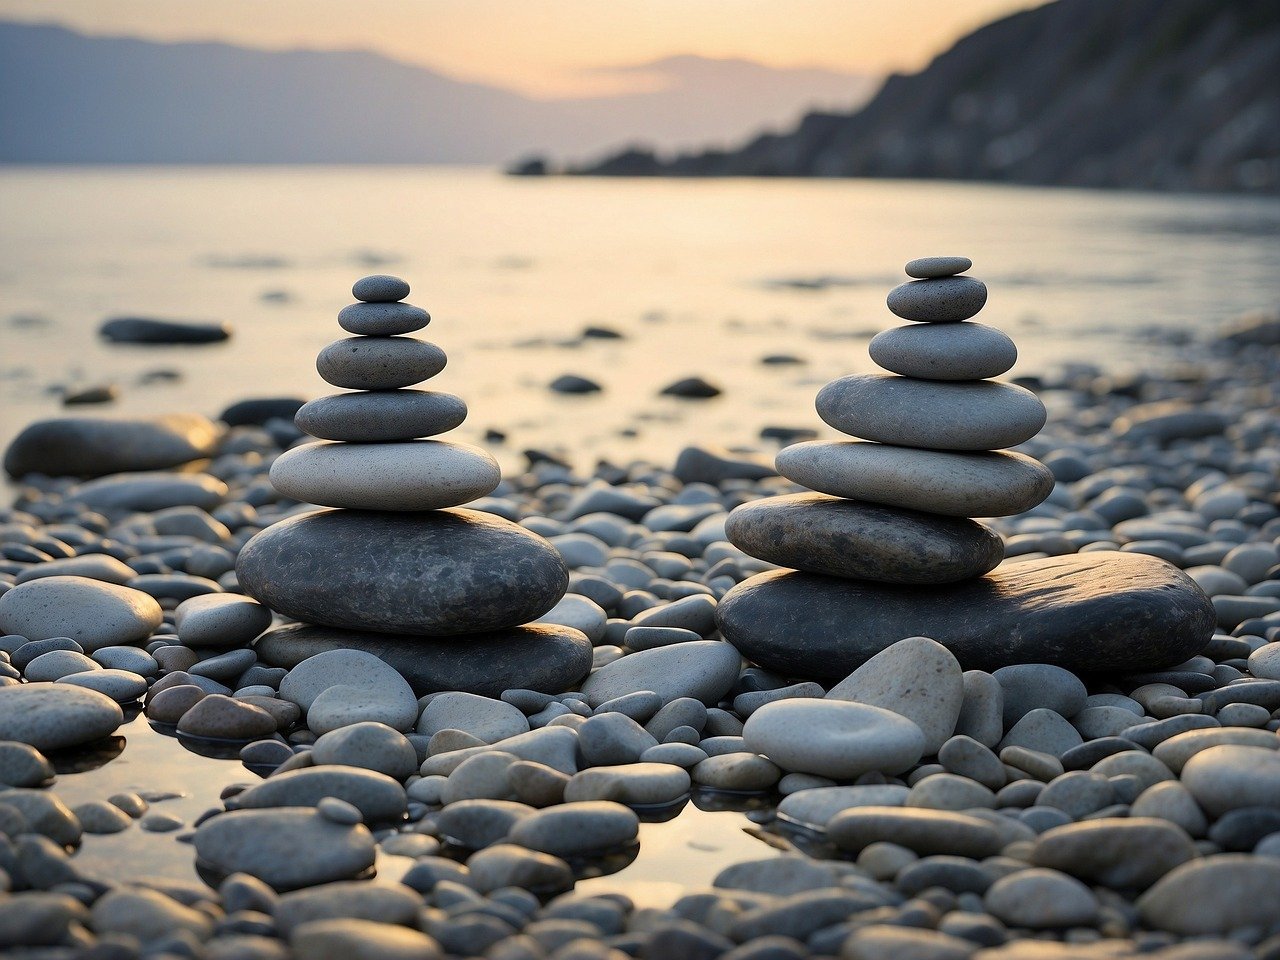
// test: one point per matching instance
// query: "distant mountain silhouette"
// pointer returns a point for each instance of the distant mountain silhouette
(66, 97)
(1158, 94)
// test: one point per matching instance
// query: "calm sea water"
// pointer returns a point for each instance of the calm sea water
(701, 278)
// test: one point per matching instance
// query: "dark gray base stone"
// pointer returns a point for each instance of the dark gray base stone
(540, 657)
(1096, 612)
(438, 573)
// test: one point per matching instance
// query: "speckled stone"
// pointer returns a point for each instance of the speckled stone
(935, 415)
(925, 268)
(410, 475)
(379, 363)
(440, 573)
(938, 300)
(382, 288)
(543, 658)
(975, 484)
(378, 416)
(845, 538)
(944, 351)
(51, 716)
(1094, 612)
(382, 319)
(90, 612)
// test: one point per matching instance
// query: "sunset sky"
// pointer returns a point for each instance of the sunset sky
(553, 47)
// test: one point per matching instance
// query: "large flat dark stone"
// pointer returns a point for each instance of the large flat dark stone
(541, 657)
(1094, 612)
(437, 573)
(92, 447)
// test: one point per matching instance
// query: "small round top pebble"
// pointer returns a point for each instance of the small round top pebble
(922, 268)
(381, 288)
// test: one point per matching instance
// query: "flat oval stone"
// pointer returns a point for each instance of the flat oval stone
(438, 573)
(702, 670)
(381, 415)
(94, 447)
(833, 738)
(1227, 777)
(414, 475)
(380, 288)
(950, 351)
(845, 538)
(985, 484)
(537, 657)
(979, 415)
(379, 363)
(378, 798)
(1090, 612)
(926, 832)
(926, 268)
(941, 300)
(382, 319)
(90, 612)
(1218, 894)
(51, 716)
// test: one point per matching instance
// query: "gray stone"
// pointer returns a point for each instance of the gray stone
(409, 475)
(346, 900)
(548, 658)
(351, 939)
(151, 330)
(925, 832)
(93, 613)
(381, 415)
(981, 713)
(147, 915)
(1227, 777)
(220, 620)
(634, 784)
(917, 678)
(833, 738)
(740, 771)
(1176, 751)
(22, 765)
(216, 717)
(341, 687)
(122, 686)
(1042, 899)
(383, 571)
(380, 288)
(933, 414)
(815, 806)
(863, 541)
(777, 876)
(1101, 611)
(938, 300)
(150, 492)
(479, 823)
(379, 363)
(378, 798)
(36, 918)
(1131, 853)
(951, 351)
(1028, 686)
(947, 791)
(886, 942)
(577, 829)
(1171, 801)
(95, 566)
(370, 745)
(973, 484)
(99, 817)
(265, 844)
(1217, 894)
(89, 447)
(705, 671)
(507, 865)
(382, 319)
(52, 716)
(966, 757)
(56, 664)
(484, 718)
(927, 268)
(610, 739)
(1043, 731)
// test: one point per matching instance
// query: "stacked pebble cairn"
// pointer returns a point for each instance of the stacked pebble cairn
(896, 510)
(394, 558)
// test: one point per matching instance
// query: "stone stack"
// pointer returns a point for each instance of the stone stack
(885, 549)
(397, 569)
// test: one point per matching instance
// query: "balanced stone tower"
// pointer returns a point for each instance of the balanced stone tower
(397, 569)
(886, 547)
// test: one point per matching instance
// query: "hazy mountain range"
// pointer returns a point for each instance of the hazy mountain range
(1161, 94)
(67, 97)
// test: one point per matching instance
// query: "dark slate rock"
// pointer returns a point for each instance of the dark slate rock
(381, 415)
(256, 411)
(846, 538)
(1104, 611)
(694, 388)
(89, 447)
(715, 465)
(541, 657)
(572, 383)
(382, 319)
(148, 330)
(441, 572)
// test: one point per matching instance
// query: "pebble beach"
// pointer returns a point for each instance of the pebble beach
(996, 675)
